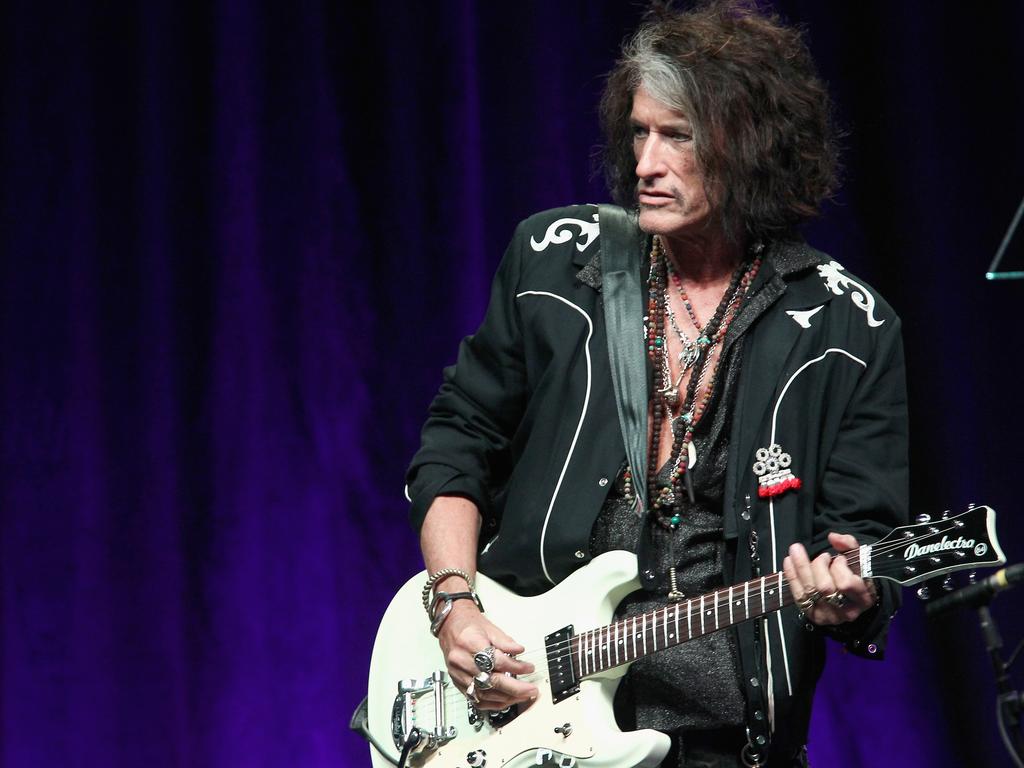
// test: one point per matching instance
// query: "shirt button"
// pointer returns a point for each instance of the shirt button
(649, 575)
(603, 482)
(579, 554)
(872, 649)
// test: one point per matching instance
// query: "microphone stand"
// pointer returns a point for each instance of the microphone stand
(991, 273)
(1008, 700)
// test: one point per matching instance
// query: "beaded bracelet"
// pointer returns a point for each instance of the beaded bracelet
(436, 577)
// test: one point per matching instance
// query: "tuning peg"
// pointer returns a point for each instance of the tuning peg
(945, 515)
(924, 593)
(972, 577)
(947, 584)
(923, 518)
(971, 505)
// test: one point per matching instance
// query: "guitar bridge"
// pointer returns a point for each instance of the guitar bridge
(404, 717)
(564, 682)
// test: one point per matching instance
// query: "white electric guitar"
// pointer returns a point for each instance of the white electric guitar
(416, 713)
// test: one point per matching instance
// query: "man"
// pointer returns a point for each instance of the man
(770, 413)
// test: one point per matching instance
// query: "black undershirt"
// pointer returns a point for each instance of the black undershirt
(694, 686)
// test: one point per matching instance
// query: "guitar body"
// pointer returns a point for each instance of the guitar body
(405, 648)
(568, 638)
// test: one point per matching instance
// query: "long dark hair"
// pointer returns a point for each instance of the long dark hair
(761, 115)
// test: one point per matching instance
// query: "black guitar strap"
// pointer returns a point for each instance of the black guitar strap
(622, 288)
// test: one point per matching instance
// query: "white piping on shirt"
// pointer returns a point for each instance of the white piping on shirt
(579, 426)
(775, 554)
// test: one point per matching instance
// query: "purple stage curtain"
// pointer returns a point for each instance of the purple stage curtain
(240, 240)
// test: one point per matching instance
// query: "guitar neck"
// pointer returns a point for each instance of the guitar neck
(634, 637)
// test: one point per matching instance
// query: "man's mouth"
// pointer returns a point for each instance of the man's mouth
(653, 197)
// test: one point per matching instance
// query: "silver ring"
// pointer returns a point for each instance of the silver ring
(838, 599)
(483, 681)
(484, 659)
(813, 595)
(804, 605)
(471, 692)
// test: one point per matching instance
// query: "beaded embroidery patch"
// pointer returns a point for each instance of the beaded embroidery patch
(774, 475)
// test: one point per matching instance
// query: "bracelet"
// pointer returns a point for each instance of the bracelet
(449, 598)
(436, 577)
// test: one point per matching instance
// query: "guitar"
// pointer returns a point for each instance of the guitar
(413, 706)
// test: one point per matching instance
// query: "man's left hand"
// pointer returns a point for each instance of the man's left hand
(837, 594)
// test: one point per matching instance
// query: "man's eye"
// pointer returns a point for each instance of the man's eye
(682, 137)
(639, 132)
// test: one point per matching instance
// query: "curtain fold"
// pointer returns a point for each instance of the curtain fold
(239, 242)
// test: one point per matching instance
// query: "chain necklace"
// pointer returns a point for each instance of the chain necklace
(665, 498)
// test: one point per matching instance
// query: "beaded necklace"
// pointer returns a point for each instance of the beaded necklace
(666, 498)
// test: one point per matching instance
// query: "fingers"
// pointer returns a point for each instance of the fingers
(799, 572)
(825, 577)
(505, 690)
(842, 542)
(853, 586)
(472, 633)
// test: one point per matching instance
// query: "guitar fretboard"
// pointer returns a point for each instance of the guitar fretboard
(634, 637)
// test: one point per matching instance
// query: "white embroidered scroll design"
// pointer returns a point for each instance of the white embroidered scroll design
(561, 231)
(859, 295)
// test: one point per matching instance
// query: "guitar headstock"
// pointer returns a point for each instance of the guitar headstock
(913, 553)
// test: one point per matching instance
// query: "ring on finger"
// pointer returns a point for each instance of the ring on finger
(471, 692)
(838, 599)
(483, 681)
(804, 605)
(813, 595)
(484, 659)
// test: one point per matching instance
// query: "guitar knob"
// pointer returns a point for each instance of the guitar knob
(947, 584)
(924, 593)
(564, 729)
(477, 758)
(923, 518)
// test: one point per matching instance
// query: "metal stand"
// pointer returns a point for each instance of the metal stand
(992, 274)
(1008, 701)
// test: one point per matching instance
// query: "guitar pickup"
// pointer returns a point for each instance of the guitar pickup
(564, 680)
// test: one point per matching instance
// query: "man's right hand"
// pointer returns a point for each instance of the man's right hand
(466, 632)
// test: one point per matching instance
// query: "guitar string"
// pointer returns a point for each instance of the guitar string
(853, 557)
(772, 580)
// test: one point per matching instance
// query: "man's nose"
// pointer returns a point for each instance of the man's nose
(648, 160)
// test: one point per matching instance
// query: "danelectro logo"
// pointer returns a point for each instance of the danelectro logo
(916, 550)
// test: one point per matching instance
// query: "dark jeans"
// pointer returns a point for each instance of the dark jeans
(718, 749)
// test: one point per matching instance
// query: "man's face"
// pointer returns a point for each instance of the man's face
(670, 185)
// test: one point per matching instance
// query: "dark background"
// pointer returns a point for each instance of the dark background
(241, 239)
